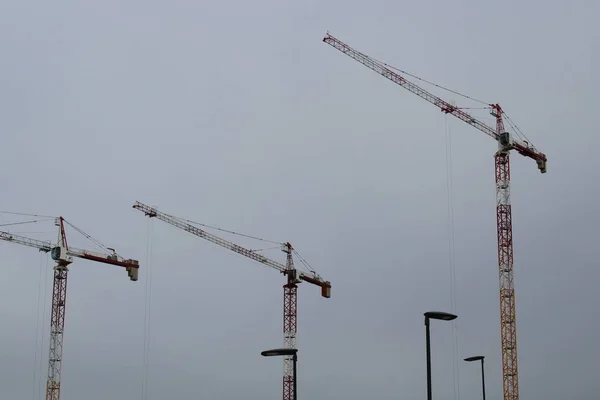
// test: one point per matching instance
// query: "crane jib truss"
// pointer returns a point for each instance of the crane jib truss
(503, 206)
(382, 69)
(290, 289)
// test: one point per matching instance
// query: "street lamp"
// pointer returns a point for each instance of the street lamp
(477, 358)
(433, 315)
(285, 352)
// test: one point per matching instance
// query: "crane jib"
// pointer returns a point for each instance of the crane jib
(522, 148)
(194, 230)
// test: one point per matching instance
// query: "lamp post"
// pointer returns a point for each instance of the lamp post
(477, 358)
(285, 352)
(443, 316)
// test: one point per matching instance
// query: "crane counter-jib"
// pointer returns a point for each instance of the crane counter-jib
(325, 285)
(131, 266)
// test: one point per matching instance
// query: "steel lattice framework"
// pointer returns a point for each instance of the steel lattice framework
(508, 323)
(503, 207)
(290, 326)
(290, 294)
(63, 255)
(57, 327)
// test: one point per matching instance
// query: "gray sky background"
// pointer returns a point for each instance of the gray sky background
(235, 114)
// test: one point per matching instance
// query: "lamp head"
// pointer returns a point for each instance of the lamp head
(444, 316)
(474, 358)
(279, 352)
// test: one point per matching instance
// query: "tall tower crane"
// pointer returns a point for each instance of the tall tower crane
(503, 207)
(290, 304)
(63, 255)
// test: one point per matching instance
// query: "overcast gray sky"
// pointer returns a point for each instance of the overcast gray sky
(236, 114)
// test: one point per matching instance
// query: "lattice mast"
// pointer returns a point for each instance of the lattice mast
(290, 321)
(57, 317)
(63, 256)
(503, 208)
(294, 276)
(508, 313)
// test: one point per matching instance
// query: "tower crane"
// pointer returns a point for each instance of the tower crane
(290, 304)
(506, 143)
(63, 255)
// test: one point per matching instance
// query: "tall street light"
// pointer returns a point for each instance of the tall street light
(286, 352)
(477, 358)
(443, 316)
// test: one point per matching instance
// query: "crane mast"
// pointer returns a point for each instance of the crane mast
(290, 302)
(63, 256)
(290, 324)
(57, 317)
(503, 205)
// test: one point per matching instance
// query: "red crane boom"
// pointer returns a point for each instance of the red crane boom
(503, 206)
(63, 256)
(290, 303)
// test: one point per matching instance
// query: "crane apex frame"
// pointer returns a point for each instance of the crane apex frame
(290, 289)
(510, 379)
(63, 255)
